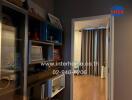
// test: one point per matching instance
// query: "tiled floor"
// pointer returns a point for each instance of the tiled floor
(89, 88)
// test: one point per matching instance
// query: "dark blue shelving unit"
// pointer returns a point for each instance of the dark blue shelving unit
(51, 33)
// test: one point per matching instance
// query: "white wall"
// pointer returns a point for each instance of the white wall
(77, 47)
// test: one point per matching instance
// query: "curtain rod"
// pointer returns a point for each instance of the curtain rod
(94, 28)
(86, 29)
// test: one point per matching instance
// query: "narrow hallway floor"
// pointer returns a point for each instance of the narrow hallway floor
(89, 88)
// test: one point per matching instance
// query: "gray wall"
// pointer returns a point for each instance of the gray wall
(66, 10)
(123, 58)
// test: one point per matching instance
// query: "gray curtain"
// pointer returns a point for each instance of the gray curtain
(93, 51)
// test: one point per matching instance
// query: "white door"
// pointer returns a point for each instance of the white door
(109, 58)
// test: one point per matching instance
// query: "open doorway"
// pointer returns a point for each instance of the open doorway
(92, 54)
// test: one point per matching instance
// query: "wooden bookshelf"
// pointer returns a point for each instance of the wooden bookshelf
(36, 26)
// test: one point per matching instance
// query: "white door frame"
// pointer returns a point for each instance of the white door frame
(110, 88)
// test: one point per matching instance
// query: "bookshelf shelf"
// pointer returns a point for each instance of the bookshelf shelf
(46, 51)
(51, 33)
(34, 42)
(13, 6)
(55, 85)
